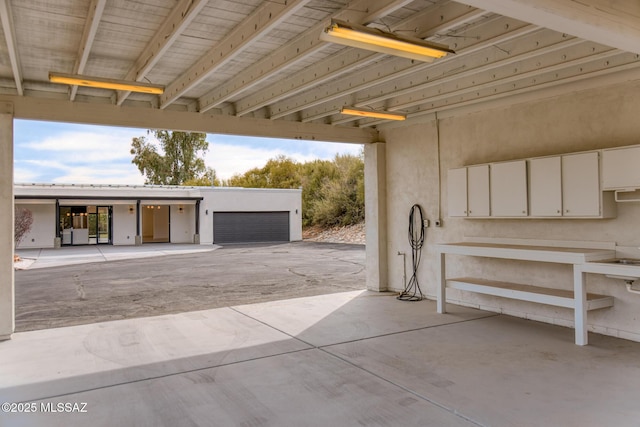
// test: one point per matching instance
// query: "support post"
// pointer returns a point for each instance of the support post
(196, 237)
(375, 188)
(7, 295)
(138, 241)
(57, 241)
(580, 305)
(441, 273)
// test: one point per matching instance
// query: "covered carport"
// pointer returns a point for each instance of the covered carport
(529, 80)
(262, 69)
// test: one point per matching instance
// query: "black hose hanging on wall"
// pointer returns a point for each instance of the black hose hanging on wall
(412, 290)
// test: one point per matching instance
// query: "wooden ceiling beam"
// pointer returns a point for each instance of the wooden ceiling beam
(611, 23)
(6, 17)
(262, 20)
(361, 11)
(180, 17)
(96, 8)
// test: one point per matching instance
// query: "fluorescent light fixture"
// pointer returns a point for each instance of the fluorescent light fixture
(371, 113)
(98, 82)
(384, 42)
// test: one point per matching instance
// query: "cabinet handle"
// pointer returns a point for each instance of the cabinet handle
(558, 211)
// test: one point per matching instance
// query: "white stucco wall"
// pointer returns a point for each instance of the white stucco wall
(43, 232)
(587, 120)
(182, 223)
(124, 224)
(250, 200)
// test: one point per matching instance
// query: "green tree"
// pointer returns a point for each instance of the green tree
(179, 160)
(314, 176)
(332, 191)
(340, 201)
(279, 172)
(208, 179)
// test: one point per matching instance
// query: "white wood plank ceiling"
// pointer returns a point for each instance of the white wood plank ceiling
(264, 59)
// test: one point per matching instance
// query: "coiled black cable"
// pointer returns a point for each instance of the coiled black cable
(412, 290)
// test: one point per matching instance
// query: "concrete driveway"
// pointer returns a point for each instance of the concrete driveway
(156, 281)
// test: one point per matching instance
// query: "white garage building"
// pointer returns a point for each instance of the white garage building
(71, 215)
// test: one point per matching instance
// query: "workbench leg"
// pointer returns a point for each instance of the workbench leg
(580, 305)
(442, 283)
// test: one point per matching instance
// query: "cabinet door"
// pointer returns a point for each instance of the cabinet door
(478, 190)
(545, 187)
(581, 193)
(457, 191)
(509, 189)
(620, 168)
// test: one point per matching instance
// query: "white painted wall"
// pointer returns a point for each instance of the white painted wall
(183, 225)
(43, 232)
(250, 200)
(161, 223)
(124, 225)
(587, 120)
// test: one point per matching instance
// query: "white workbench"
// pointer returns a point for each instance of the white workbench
(578, 300)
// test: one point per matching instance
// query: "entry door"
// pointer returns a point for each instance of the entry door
(104, 224)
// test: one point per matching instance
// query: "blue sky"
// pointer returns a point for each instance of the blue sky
(47, 152)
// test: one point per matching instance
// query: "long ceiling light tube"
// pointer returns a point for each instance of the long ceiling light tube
(359, 36)
(102, 83)
(372, 113)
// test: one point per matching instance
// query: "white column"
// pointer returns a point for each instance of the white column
(7, 307)
(580, 308)
(375, 188)
(441, 276)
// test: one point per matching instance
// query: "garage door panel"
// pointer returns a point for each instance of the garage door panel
(250, 227)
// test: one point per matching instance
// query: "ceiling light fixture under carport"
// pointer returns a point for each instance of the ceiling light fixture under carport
(374, 39)
(372, 113)
(102, 83)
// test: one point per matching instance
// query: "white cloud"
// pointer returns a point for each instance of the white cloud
(83, 147)
(110, 174)
(229, 159)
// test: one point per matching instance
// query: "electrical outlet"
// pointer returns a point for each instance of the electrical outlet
(426, 223)
(438, 222)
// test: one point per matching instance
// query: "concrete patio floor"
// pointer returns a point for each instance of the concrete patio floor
(354, 358)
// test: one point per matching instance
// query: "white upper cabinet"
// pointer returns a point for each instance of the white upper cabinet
(478, 190)
(457, 191)
(581, 194)
(621, 168)
(563, 186)
(468, 191)
(545, 187)
(508, 181)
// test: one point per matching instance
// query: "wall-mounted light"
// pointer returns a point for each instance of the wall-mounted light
(362, 37)
(372, 113)
(102, 83)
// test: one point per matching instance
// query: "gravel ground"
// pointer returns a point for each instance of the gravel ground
(232, 275)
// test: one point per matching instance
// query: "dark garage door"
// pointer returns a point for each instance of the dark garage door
(249, 227)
